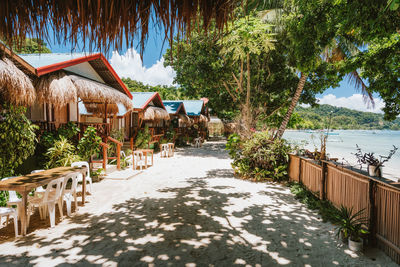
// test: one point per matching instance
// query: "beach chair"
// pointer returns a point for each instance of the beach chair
(164, 150)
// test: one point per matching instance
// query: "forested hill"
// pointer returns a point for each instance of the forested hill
(343, 118)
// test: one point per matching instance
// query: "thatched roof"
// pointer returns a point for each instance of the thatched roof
(155, 114)
(90, 91)
(107, 24)
(99, 109)
(15, 85)
(203, 119)
(184, 120)
(56, 88)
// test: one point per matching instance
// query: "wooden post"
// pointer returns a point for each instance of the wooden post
(299, 169)
(104, 158)
(372, 213)
(322, 193)
(119, 157)
(105, 113)
(131, 143)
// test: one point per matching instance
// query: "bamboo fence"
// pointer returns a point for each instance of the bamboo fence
(342, 186)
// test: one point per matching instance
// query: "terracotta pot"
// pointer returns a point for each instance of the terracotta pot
(375, 171)
(355, 246)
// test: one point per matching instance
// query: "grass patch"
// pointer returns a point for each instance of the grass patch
(324, 208)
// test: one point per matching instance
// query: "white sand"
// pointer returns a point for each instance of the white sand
(188, 211)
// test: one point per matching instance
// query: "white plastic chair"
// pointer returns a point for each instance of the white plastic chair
(139, 160)
(39, 191)
(164, 150)
(197, 142)
(80, 176)
(49, 200)
(13, 212)
(171, 148)
(12, 197)
(68, 195)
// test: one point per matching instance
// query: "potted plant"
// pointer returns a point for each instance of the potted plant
(374, 164)
(351, 227)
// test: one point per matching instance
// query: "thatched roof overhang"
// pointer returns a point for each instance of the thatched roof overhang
(184, 119)
(155, 114)
(15, 86)
(105, 24)
(95, 92)
(61, 88)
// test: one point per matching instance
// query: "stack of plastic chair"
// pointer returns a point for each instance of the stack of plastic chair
(13, 212)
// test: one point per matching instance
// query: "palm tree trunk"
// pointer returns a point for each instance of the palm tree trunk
(295, 99)
(248, 109)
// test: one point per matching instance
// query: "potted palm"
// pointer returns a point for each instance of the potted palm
(374, 164)
(351, 227)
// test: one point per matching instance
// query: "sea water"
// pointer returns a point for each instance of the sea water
(342, 145)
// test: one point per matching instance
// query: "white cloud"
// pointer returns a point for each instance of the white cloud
(356, 101)
(129, 65)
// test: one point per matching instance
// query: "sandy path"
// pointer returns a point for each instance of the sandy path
(188, 210)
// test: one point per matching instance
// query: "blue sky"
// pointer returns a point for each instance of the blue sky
(127, 63)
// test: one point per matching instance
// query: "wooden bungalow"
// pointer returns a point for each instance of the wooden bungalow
(198, 112)
(77, 87)
(148, 109)
(179, 118)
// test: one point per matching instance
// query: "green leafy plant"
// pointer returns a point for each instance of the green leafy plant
(17, 139)
(325, 208)
(62, 153)
(69, 131)
(89, 144)
(118, 134)
(259, 157)
(351, 224)
(97, 173)
(143, 138)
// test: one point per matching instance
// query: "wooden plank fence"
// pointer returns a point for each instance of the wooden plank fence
(341, 186)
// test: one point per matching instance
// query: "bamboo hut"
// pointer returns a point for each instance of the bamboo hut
(77, 87)
(179, 118)
(198, 112)
(148, 109)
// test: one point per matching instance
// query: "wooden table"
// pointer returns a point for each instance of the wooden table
(145, 152)
(25, 184)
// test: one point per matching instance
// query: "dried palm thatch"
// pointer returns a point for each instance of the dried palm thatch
(56, 88)
(155, 114)
(184, 120)
(15, 86)
(107, 23)
(99, 109)
(91, 91)
(203, 119)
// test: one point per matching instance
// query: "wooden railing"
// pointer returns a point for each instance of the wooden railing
(118, 153)
(351, 188)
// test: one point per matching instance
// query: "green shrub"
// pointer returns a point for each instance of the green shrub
(69, 131)
(118, 135)
(89, 144)
(143, 138)
(62, 153)
(17, 139)
(259, 157)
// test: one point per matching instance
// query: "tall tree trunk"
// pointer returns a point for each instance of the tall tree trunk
(248, 109)
(295, 99)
